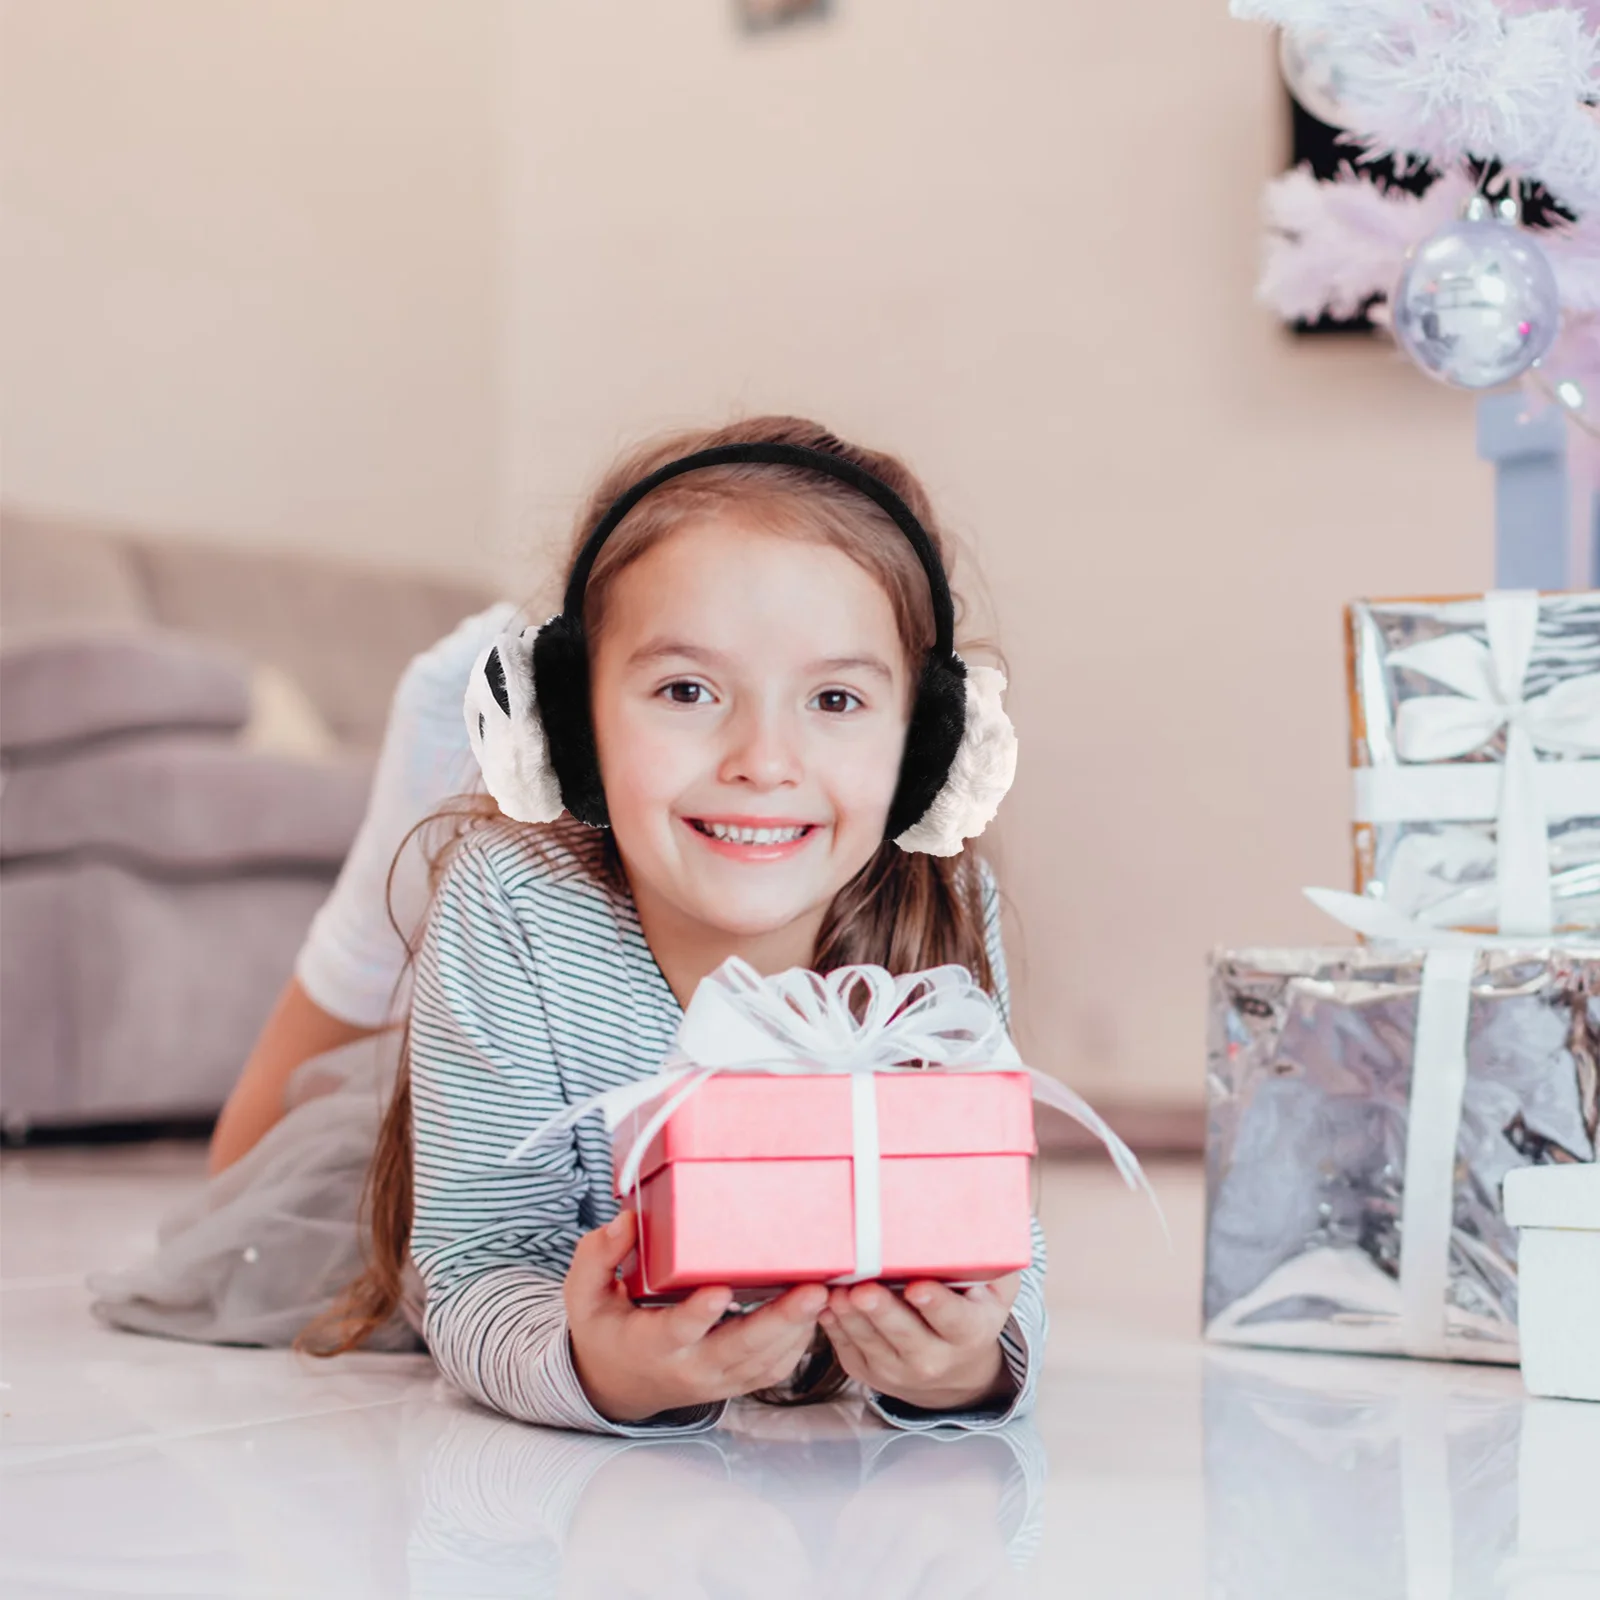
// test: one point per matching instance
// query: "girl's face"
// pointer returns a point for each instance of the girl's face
(746, 681)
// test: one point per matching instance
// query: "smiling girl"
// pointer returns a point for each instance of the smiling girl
(755, 637)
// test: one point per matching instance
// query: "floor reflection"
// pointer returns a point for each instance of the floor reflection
(823, 1501)
(143, 1466)
(1334, 1477)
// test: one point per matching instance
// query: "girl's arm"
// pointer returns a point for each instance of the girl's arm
(493, 1242)
(1023, 1338)
(297, 1030)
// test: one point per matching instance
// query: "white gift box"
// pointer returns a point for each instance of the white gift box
(1557, 1212)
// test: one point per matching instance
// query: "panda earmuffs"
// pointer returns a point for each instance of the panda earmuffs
(527, 704)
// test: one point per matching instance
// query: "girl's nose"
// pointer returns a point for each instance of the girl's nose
(763, 749)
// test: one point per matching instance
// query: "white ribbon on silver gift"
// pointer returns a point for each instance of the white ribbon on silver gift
(1438, 1092)
(800, 1022)
(1519, 794)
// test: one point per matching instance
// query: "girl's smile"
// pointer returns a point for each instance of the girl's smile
(753, 839)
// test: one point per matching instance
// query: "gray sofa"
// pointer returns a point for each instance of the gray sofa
(186, 739)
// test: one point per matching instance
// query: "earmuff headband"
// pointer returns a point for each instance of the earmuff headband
(778, 455)
(528, 714)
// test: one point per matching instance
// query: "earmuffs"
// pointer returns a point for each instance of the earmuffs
(527, 704)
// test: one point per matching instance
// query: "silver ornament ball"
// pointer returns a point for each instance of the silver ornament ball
(1315, 71)
(1477, 303)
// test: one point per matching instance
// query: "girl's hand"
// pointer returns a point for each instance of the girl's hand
(635, 1361)
(936, 1349)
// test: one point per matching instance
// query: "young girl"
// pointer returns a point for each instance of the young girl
(754, 636)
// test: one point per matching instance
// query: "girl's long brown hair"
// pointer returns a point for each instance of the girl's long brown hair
(903, 910)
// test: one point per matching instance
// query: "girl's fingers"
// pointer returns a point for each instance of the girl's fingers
(1003, 1289)
(861, 1330)
(591, 1277)
(691, 1320)
(773, 1367)
(955, 1317)
(738, 1346)
(892, 1321)
(741, 1365)
(765, 1333)
(850, 1358)
(798, 1306)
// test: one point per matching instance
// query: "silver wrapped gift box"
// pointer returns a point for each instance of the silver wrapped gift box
(1474, 732)
(1311, 1094)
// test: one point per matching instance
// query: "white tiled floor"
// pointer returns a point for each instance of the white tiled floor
(1156, 1467)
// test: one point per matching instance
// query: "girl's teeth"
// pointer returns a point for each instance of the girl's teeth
(754, 835)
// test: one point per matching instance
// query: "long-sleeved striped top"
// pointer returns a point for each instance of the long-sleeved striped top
(534, 988)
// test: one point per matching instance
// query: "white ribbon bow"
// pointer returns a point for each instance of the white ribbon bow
(736, 1016)
(1437, 1094)
(1489, 684)
(801, 1022)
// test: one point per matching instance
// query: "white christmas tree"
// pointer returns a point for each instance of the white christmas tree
(1495, 96)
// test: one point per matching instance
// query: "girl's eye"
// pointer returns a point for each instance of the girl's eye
(836, 695)
(686, 692)
(689, 695)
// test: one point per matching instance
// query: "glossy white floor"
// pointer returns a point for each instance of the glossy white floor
(1155, 1468)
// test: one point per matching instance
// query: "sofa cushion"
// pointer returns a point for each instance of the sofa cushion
(186, 805)
(56, 692)
(58, 575)
(128, 999)
(343, 632)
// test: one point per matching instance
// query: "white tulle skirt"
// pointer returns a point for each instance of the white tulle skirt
(269, 1244)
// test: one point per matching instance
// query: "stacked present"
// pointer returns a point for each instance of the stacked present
(1366, 1104)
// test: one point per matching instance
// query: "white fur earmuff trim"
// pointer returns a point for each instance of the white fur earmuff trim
(981, 773)
(512, 749)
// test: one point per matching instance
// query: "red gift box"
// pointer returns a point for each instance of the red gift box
(751, 1182)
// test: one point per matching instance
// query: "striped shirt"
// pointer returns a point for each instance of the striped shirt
(534, 988)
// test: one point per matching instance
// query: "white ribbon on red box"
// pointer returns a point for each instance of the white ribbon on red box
(802, 1022)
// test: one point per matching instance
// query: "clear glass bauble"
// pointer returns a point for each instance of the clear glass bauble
(1315, 72)
(1477, 302)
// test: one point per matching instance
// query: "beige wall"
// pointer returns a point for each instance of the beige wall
(1016, 243)
(250, 257)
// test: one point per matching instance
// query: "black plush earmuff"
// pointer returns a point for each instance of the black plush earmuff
(960, 751)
